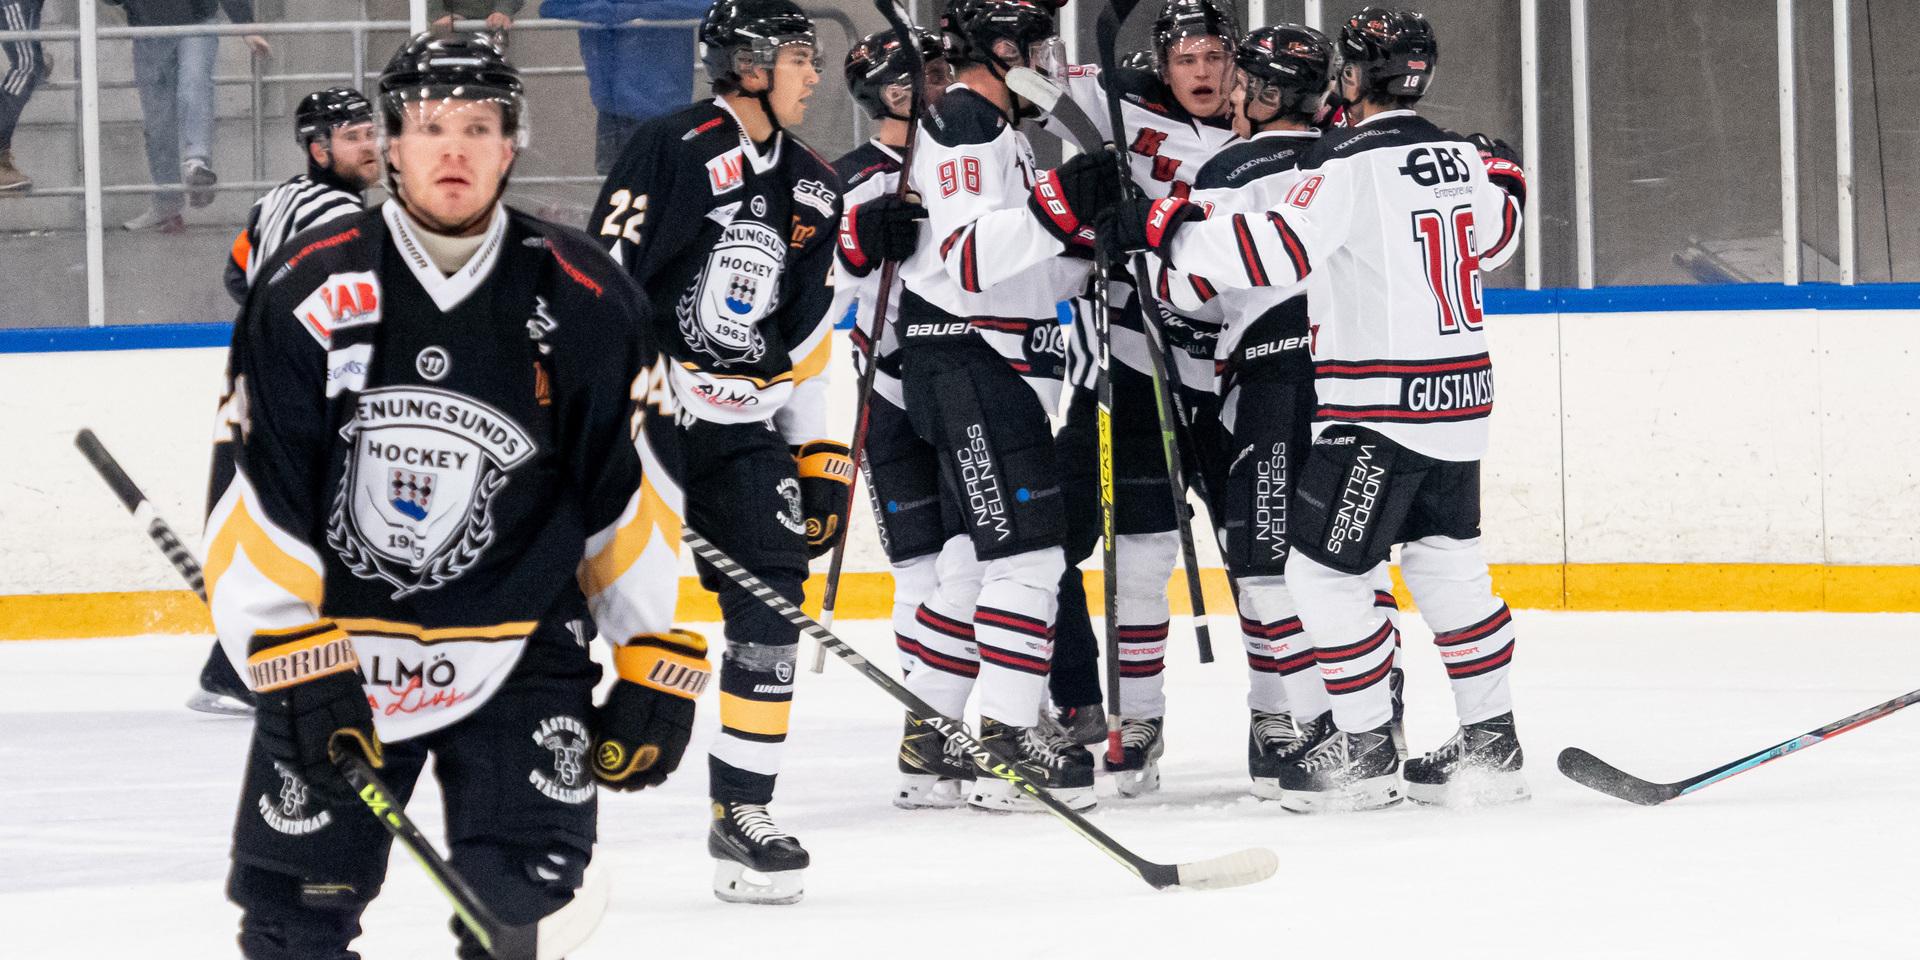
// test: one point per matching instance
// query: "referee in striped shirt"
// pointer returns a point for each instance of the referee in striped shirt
(335, 129)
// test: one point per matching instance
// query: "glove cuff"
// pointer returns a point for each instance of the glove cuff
(674, 662)
(1164, 219)
(1049, 205)
(826, 460)
(277, 659)
(856, 259)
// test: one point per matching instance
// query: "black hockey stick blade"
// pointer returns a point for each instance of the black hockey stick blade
(1236, 869)
(1052, 101)
(551, 938)
(1588, 770)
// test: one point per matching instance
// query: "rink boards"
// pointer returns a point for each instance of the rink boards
(1689, 459)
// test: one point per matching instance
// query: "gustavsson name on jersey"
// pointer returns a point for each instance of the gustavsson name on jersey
(424, 460)
(733, 243)
(1400, 218)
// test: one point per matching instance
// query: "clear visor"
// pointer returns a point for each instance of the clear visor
(795, 51)
(456, 110)
(1047, 57)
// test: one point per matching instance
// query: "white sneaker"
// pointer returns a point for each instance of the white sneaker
(151, 219)
(199, 178)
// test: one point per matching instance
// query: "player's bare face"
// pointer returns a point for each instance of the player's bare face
(796, 72)
(1200, 72)
(356, 154)
(450, 156)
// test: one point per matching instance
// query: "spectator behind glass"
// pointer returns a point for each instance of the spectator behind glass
(175, 77)
(497, 13)
(26, 66)
(633, 72)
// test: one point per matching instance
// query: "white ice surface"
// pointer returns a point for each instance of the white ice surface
(116, 803)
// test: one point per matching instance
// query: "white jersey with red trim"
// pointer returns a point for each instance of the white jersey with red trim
(872, 170)
(1166, 146)
(990, 265)
(1401, 218)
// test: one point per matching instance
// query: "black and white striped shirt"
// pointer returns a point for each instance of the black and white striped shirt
(302, 202)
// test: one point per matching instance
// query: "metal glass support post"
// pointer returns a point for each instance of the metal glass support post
(1582, 149)
(89, 24)
(417, 16)
(259, 123)
(1789, 160)
(1312, 14)
(360, 58)
(1530, 134)
(1256, 14)
(1843, 135)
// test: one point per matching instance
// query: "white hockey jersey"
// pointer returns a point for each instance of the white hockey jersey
(990, 265)
(1400, 216)
(872, 170)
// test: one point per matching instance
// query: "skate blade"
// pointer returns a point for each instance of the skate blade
(1137, 783)
(1370, 794)
(1266, 788)
(218, 704)
(999, 796)
(924, 791)
(1490, 788)
(734, 882)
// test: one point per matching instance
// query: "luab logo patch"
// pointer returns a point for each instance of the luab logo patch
(344, 300)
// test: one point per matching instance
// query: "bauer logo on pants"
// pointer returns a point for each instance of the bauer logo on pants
(720, 315)
(567, 739)
(423, 466)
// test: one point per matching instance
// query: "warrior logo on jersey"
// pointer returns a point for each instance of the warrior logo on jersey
(567, 738)
(344, 300)
(423, 466)
(720, 314)
(287, 813)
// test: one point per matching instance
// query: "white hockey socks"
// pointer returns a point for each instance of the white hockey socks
(1282, 669)
(1013, 622)
(913, 583)
(1472, 627)
(1140, 601)
(941, 635)
(1354, 641)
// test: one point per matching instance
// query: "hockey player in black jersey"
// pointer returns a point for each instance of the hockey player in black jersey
(1177, 117)
(334, 128)
(432, 488)
(1395, 218)
(729, 223)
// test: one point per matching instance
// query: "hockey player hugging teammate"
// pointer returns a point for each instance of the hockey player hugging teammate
(431, 489)
(1396, 218)
(728, 222)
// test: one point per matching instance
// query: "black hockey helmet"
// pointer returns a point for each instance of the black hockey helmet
(1025, 22)
(1180, 19)
(1395, 51)
(878, 61)
(321, 111)
(953, 25)
(738, 34)
(1136, 60)
(434, 66)
(1288, 67)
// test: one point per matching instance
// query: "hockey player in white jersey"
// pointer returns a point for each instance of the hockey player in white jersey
(1398, 217)
(334, 128)
(982, 356)
(1177, 117)
(901, 469)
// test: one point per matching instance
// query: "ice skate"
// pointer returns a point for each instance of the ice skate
(1138, 771)
(221, 692)
(1085, 726)
(1344, 771)
(754, 860)
(1273, 741)
(1046, 758)
(1480, 766)
(934, 774)
(1397, 684)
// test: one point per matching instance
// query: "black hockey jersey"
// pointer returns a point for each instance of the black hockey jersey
(302, 203)
(452, 469)
(733, 247)
(871, 170)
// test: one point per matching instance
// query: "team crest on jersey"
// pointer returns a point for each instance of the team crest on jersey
(720, 315)
(567, 739)
(344, 300)
(423, 466)
(287, 812)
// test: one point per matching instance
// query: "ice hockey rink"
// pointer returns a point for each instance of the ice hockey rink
(116, 805)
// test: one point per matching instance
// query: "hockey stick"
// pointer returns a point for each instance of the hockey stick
(1588, 770)
(1232, 870)
(1041, 92)
(552, 937)
(897, 19)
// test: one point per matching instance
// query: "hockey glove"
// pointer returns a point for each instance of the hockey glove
(641, 731)
(1139, 225)
(826, 483)
(309, 706)
(884, 228)
(1503, 166)
(1067, 198)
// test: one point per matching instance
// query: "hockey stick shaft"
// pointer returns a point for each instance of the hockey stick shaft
(903, 31)
(1586, 769)
(1165, 372)
(1244, 867)
(500, 940)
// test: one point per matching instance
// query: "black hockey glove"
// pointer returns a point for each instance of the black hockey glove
(309, 706)
(1067, 198)
(641, 731)
(826, 483)
(884, 228)
(1137, 225)
(1503, 166)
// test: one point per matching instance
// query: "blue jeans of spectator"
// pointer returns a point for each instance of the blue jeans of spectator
(611, 133)
(24, 63)
(175, 77)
